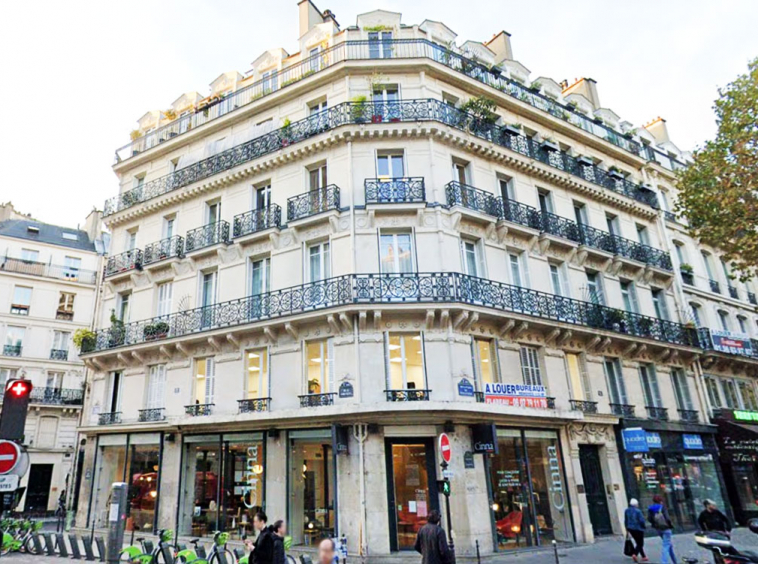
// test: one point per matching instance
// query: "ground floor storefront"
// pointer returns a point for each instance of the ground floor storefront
(675, 461)
(514, 486)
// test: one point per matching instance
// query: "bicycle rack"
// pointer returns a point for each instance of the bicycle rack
(62, 550)
(75, 554)
(100, 548)
(50, 544)
(37, 544)
(88, 554)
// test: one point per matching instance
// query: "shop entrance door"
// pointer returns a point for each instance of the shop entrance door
(411, 488)
(594, 489)
(38, 491)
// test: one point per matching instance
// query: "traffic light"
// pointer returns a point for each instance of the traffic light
(13, 413)
(444, 487)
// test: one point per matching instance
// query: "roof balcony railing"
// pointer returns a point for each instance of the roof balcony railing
(257, 220)
(215, 233)
(658, 413)
(313, 202)
(171, 247)
(59, 272)
(123, 263)
(409, 190)
(57, 396)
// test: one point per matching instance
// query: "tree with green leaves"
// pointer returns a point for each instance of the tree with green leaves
(718, 192)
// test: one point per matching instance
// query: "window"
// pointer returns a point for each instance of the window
(485, 366)
(729, 390)
(256, 374)
(461, 171)
(29, 255)
(317, 177)
(122, 307)
(595, 288)
(615, 380)
(60, 340)
(131, 240)
(507, 190)
(65, 306)
(659, 303)
(727, 276)
(54, 380)
(629, 296)
(155, 396)
(113, 399)
(516, 264)
(681, 389)
(545, 199)
(205, 380)
(267, 83)
(578, 377)
(317, 106)
(396, 253)
(472, 258)
(47, 431)
(7, 374)
(165, 293)
(168, 227)
(714, 396)
(208, 289)
(450, 100)
(70, 236)
(743, 324)
(680, 252)
(71, 267)
(319, 366)
(530, 366)
(612, 222)
(580, 213)
(212, 213)
(708, 261)
(319, 267)
(261, 197)
(14, 339)
(642, 234)
(696, 314)
(385, 94)
(747, 393)
(724, 320)
(405, 362)
(260, 276)
(380, 44)
(315, 60)
(390, 165)
(558, 280)
(22, 300)
(650, 386)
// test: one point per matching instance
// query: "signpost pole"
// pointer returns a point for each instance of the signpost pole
(446, 453)
(447, 510)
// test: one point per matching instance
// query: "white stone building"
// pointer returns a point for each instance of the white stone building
(48, 285)
(328, 261)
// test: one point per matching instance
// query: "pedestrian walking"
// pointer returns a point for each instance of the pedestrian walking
(263, 546)
(279, 530)
(658, 516)
(711, 519)
(634, 521)
(431, 542)
(326, 552)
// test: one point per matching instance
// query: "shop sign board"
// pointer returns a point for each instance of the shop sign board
(732, 343)
(742, 415)
(692, 442)
(484, 438)
(635, 439)
(516, 395)
(653, 440)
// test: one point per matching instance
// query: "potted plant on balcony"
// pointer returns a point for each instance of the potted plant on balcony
(615, 173)
(117, 331)
(535, 86)
(549, 144)
(482, 113)
(513, 129)
(85, 340)
(286, 132)
(358, 109)
(585, 161)
(154, 331)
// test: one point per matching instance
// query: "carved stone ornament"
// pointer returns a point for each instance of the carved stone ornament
(590, 433)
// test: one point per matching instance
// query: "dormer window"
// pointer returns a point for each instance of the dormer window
(32, 229)
(70, 236)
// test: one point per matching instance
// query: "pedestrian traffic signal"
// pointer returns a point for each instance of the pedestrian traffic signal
(444, 487)
(13, 413)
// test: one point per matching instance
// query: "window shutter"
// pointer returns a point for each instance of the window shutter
(330, 357)
(210, 380)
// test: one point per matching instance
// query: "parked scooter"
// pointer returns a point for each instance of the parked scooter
(721, 547)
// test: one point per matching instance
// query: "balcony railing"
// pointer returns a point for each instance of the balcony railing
(31, 268)
(447, 287)
(172, 247)
(622, 409)
(408, 395)
(152, 414)
(317, 400)
(111, 418)
(584, 406)
(412, 111)
(659, 413)
(57, 396)
(733, 292)
(751, 298)
(706, 343)
(58, 354)
(395, 190)
(688, 277)
(254, 405)
(314, 202)
(472, 198)
(12, 350)
(199, 409)
(479, 397)
(257, 220)
(391, 49)
(206, 236)
(670, 216)
(689, 416)
(124, 262)
(64, 315)
(715, 287)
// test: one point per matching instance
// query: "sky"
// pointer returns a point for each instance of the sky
(76, 75)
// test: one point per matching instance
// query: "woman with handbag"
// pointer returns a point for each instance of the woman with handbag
(634, 521)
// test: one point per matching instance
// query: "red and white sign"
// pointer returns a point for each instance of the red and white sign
(445, 449)
(9, 455)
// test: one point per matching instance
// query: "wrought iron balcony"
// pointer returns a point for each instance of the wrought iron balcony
(622, 410)
(317, 400)
(206, 236)
(313, 202)
(58, 354)
(689, 416)
(64, 315)
(516, 212)
(112, 418)
(32, 268)
(670, 216)
(199, 409)
(479, 397)
(738, 347)
(715, 287)
(395, 190)
(733, 292)
(688, 277)
(254, 405)
(584, 406)
(550, 402)
(124, 262)
(435, 287)
(12, 350)
(410, 394)
(257, 220)
(173, 247)
(659, 413)
(152, 414)
(751, 298)
(57, 396)
(466, 196)
(395, 49)
(348, 113)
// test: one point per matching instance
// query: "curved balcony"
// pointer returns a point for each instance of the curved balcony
(435, 287)
(57, 396)
(257, 220)
(347, 113)
(411, 394)
(206, 236)
(172, 247)
(410, 190)
(255, 405)
(313, 203)
(123, 263)
(317, 400)
(472, 198)
(199, 409)
(393, 49)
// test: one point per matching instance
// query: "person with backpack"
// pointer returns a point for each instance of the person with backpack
(658, 516)
(634, 522)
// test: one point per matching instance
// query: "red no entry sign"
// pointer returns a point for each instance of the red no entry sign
(445, 450)
(9, 454)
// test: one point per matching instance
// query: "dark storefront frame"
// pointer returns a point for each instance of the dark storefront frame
(738, 450)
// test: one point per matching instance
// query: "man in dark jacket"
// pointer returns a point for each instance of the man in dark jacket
(431, 542)
(711, 519)
(263, 547)
(278, 531)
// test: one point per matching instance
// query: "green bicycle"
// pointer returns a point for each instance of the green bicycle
(146, 554)
(219, 553)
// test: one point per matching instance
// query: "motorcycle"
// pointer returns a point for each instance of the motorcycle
(722, 549)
